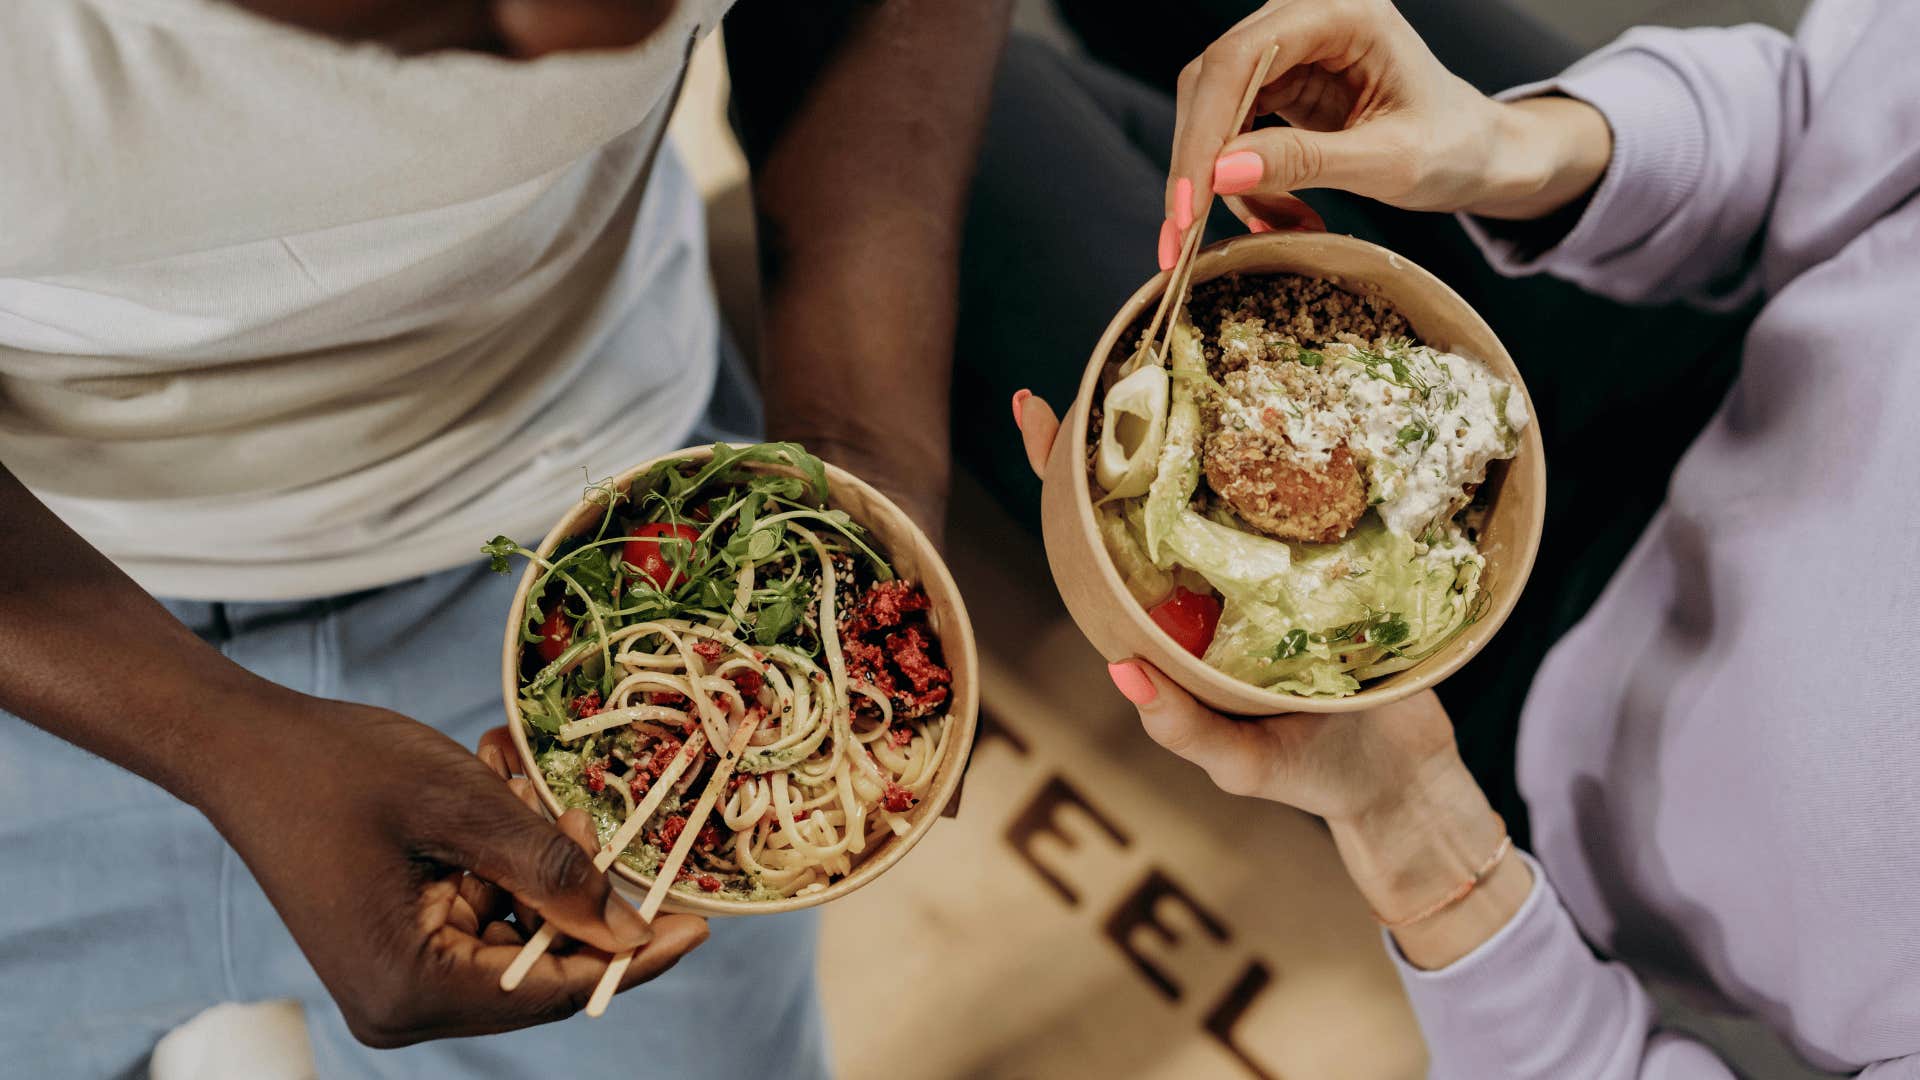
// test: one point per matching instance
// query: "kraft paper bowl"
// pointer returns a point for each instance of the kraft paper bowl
(914, 558)
(1119, 627)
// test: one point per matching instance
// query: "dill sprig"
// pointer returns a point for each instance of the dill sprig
(1390, 363)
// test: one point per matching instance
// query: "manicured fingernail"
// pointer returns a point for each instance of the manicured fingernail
(1258, 226)
(1133, 683)
(1169, 244)
(628, 927)
(1237, 172)
(1183, 204)
(1020, 407)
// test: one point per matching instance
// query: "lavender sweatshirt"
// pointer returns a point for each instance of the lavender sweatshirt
(1722, 760)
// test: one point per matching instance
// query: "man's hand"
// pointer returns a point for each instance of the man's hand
(395, 857)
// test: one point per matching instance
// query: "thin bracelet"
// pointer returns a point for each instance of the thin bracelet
(1462, 891)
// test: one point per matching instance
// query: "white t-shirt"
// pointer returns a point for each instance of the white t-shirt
(282, 316)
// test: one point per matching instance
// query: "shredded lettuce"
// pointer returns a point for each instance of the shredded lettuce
(1369, 605)
(1239, 564)
(1311, 619)
(1179, 470)
(1120, 529)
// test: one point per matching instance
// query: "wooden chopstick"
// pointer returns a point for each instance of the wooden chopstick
(630, 828)
(1181, 275)
(670, 867)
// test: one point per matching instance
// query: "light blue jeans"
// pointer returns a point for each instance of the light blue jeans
(122, 912)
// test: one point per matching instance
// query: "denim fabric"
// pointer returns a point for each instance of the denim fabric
(122, 912)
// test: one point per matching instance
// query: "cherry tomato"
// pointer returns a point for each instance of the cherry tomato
(653, 562)
(1188, 617)
(556, 633)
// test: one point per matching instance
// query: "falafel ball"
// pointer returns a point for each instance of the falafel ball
(1267, 482)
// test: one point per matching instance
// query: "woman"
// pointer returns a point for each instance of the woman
(1718, 759)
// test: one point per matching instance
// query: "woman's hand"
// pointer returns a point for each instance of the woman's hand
(1411, 825)
(1409, 820)
(1339, 766)
(394, 857)
(1372, 112)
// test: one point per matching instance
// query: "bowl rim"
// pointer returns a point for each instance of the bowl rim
(958, 638)
(1213, 682)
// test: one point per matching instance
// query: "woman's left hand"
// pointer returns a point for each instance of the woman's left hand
(1345, 767)
(1408, 818)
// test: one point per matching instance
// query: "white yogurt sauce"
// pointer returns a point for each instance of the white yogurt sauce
(1423, 424)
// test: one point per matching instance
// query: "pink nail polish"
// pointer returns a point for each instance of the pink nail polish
(1169, 244)
(1183, 204)
(1258, 226)
(1237, 172)
(1020, 407)
(1132, 682)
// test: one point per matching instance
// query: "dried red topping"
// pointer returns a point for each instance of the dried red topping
(748, 681)
(900, 665)
(900, 736)
(909, 651)
(868, 664)
(897, 799)
(709, 650)
(671, 829)
(587, 704)
(708, 882)
(882, 607)
(668, 699)
(663, 755)
(709, 837)
(596, 773)
(638, 783)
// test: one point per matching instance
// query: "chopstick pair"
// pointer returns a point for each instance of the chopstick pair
(1181, 276)
(669, 869)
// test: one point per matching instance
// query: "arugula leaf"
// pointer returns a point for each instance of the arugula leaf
(772, 621)
(499, 552)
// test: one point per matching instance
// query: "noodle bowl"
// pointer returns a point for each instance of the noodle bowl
(697, 594)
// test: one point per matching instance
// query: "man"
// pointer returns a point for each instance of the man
(297, 306)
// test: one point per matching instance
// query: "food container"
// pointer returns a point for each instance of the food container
(913, 557)
(1120, 628)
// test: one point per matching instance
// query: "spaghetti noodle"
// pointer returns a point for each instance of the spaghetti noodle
(714, 594)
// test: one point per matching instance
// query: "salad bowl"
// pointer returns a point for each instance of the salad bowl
(1515, 490)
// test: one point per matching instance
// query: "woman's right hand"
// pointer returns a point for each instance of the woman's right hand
(1373, 112)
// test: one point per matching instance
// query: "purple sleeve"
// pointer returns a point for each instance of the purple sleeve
(1703, 121)
(1533, 1003)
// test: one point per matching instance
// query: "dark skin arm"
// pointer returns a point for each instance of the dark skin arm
(410, 852)
(862, 122)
